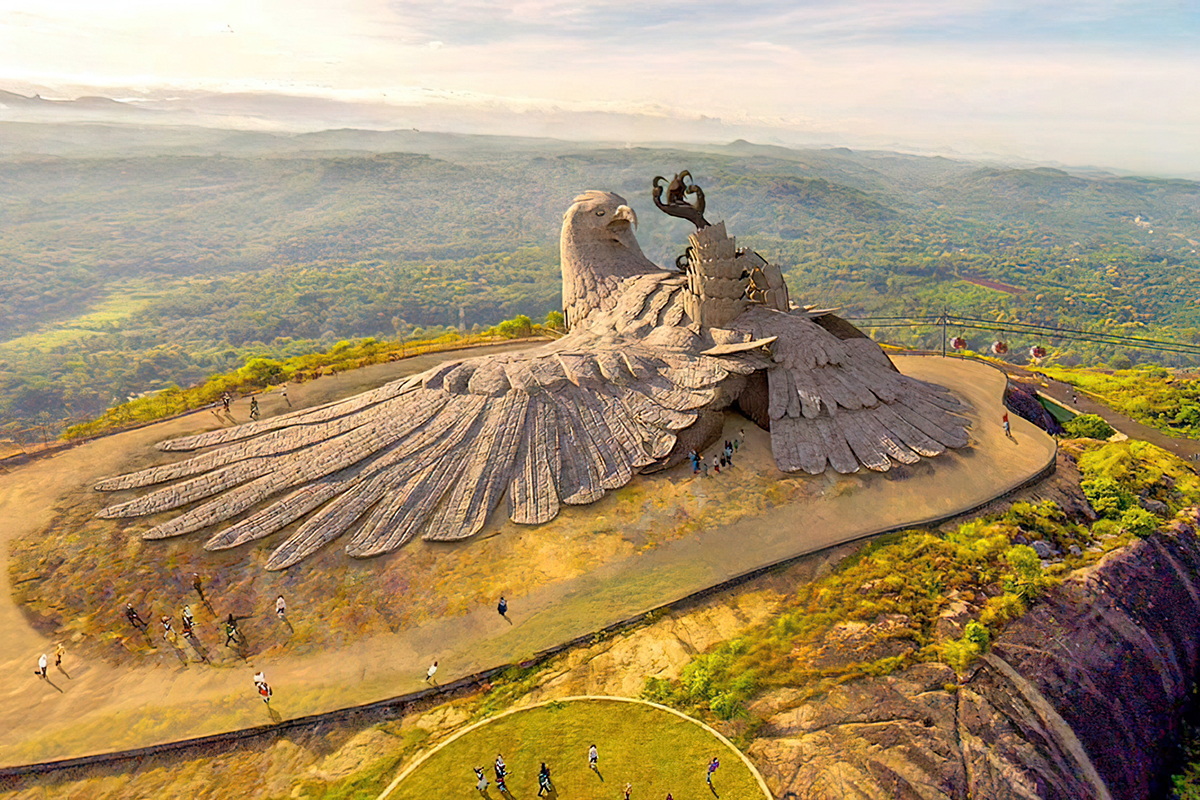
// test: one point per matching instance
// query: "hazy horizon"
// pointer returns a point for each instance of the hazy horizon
(1103, 85)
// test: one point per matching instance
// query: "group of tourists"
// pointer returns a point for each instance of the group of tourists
(723, 459)
(234, 637)
(545, 786)
(255, 412)
(42, 661)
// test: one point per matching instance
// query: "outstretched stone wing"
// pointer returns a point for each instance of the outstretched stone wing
(840, 401)
(433, 455)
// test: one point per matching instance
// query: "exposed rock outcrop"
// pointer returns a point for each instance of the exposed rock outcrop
(1023, 400)
(1081, 698)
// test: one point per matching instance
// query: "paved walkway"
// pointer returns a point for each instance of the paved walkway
(1084, 403)
(594, 566)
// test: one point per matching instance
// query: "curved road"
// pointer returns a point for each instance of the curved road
(105, 708)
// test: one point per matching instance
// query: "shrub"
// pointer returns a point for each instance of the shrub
(1108, 498)
(999, 611)
(1139, 522)
(959, 653)
(1026, 580)
(1088, 426)
(977, 635)
(657, 690)
(727, 705)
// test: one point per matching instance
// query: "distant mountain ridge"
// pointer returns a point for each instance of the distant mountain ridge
(136, 255)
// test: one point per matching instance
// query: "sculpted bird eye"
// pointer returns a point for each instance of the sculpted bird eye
(600, 212)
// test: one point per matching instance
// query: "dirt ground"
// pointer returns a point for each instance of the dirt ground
(361, 631)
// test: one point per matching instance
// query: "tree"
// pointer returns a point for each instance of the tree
(261, 371)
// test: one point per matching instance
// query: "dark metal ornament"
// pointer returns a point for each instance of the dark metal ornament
(677, 204)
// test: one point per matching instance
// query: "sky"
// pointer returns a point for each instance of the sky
(1107, 83)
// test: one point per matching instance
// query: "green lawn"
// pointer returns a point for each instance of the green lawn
(1059, 412)
(655, 750)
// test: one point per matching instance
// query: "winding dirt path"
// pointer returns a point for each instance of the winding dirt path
(103, 708)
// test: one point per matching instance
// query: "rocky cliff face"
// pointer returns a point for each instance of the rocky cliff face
(1081, 698)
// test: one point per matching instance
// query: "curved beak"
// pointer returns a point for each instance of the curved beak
(626, 213)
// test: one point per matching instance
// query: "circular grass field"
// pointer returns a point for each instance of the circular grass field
(654, 749)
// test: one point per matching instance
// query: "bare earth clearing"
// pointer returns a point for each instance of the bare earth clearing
(367, 630)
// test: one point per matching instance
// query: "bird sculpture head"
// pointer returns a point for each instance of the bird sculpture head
(598, 249)
(602, 217)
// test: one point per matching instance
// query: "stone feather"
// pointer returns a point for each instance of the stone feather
(629, 389)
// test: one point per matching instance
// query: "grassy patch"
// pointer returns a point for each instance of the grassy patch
(122, 302)
(654, 750)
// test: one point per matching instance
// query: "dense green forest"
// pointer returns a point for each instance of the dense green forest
(123, 273)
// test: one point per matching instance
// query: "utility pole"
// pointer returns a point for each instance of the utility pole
(943, 333)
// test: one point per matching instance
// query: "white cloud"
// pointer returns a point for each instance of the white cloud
(1046, 75)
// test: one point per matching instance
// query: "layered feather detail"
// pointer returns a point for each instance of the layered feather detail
(433, 455)
(841, 403)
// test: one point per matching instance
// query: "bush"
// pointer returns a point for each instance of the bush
(999, 611)
(657, 690)
(1139, 522)
(977, 635)
(1108, 498)
(727, 705)
(959, 653)
(1026, 580)
(1088, 426)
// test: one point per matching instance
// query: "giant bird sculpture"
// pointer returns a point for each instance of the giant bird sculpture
(651, 360)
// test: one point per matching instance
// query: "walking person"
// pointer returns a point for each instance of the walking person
(501, 774)
(280, 608)
(59, 652)
(225, 401)
(41, 670)
(168, 631)
(429, 673)
(502, 609)
(628, 790)
(482, 783)
(712, 767)
(254, 408)
(132, 616)
(593, 758)
(1007, 428)
(716, 465)
(544, 784)
(283, 392)
(198, 586)
(264, 688)
(231, 631)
